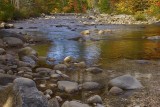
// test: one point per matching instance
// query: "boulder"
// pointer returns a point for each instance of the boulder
(61, 67)
(74, 104)
(95, 99)
(27, 94)
(13, 42)
(67, 86)
(88, 86)
(126, 82)
(94, 70)
(27, 51)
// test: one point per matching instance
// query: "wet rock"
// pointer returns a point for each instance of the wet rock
(68, 59)
(2, 51)
(88, 86)
(67, 86)
(61, 67)
(27, 94)
(115, 91)
(53, 102)
(6, 79)
(74, 104)
(80, 64)
(95, 99)
(13, 42)
(29, 60)
(126, 82)
(94, 70)
(1, 43)
(27, 51)
(85, 32)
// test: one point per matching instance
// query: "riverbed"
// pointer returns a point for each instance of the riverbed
(125, 50)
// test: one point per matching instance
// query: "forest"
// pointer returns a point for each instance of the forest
(33, 8)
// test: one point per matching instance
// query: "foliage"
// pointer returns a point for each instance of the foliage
(140, 16)
(104, 5)
(6, 10)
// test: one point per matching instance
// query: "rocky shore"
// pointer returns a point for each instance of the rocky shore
(117, 19)
(22, 72)
(27, 80)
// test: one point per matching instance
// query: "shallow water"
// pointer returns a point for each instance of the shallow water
(125, 42)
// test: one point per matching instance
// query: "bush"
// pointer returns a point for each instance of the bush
(140, 16)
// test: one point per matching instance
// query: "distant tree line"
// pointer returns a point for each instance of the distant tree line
(31, 8)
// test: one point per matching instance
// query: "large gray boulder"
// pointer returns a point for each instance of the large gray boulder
(74, 104)
(27, 94)
(126, 82)
(68, 86)
(13, 42)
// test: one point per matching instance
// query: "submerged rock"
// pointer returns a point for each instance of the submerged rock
(68, 86)
(74, 104)
(126, 82)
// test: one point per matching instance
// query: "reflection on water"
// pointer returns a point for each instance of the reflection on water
(122, 44)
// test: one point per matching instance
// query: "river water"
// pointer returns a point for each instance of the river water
(125, 42)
